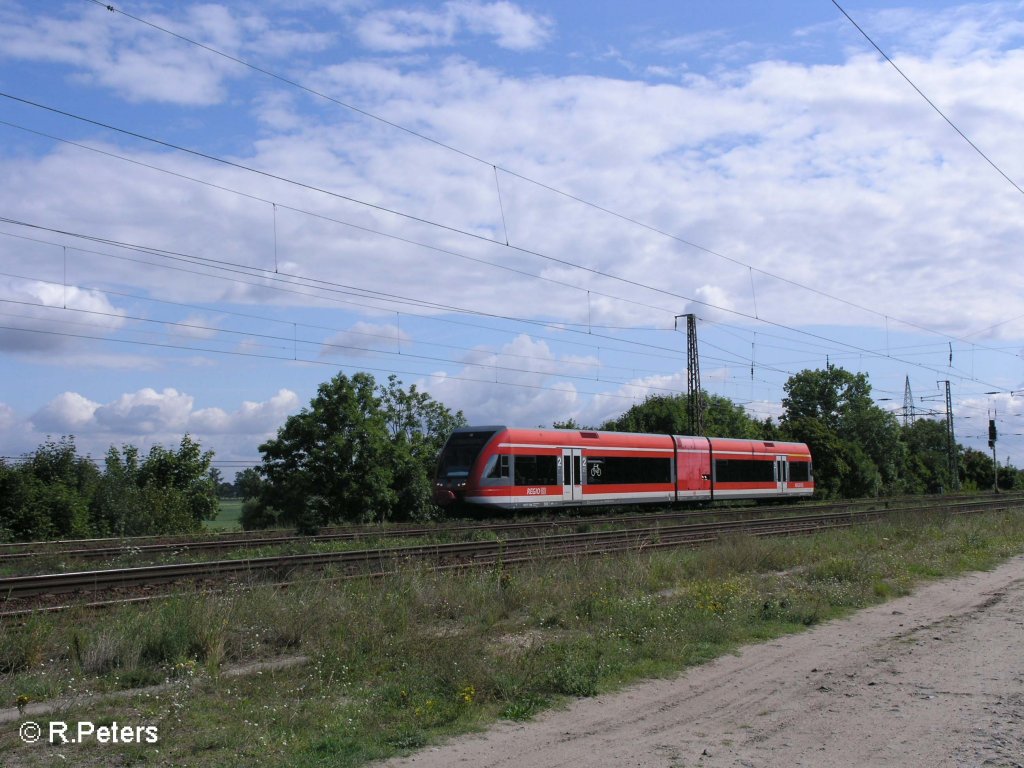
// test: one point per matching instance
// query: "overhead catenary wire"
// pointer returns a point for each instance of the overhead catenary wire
(268, 281)
(931, 103)
(491, 241)
(324, 343)
(331, 286)
(496, 167)
(221, 311)
(334, 220)
(487, 239)
(568, 389)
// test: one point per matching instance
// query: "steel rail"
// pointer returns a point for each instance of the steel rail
(138, 546)
(377, 560)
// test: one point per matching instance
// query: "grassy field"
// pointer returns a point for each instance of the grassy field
(391, 665)
(228, 518)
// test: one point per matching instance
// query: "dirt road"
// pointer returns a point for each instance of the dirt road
(934, 679)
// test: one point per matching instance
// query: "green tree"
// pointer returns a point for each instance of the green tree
(724, 418)
(828, 396)
(357, 453)
(832, 411)
(926, 469)
(668, 414)
(249, 485)
(47, 495)
(658, 414)
(1010, 478)
(54, 493)
(117, 506)
(187, 471)
(977, 471)
(418, 426)
(10, 490)
(329, 462)
(165, 492)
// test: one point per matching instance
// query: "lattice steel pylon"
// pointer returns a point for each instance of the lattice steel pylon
(908, 405)
(695, 396)
(954, 470)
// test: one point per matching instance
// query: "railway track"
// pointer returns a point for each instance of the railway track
(17, 591)
(153, 547)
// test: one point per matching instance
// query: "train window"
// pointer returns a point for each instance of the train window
(497, 468)
(799, 471)
(535, 470)
(744, 471)
(460, 452)
(606, 470)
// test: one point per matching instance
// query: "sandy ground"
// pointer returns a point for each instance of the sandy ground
(934, 679)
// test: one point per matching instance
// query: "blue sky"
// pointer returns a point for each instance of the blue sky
(504, 203)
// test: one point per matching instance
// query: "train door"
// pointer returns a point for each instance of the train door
(781, 473)
(572, 477)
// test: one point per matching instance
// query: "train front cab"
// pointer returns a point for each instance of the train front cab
(535, 468)
(458, 463)
(501, 468)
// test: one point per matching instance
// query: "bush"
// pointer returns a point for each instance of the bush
(54, 493)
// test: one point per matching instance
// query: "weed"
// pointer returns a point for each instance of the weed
(24, 646)
(399, 662)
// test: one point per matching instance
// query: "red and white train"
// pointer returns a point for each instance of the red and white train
(506, 468)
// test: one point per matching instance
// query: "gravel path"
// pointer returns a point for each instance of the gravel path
(934, 679)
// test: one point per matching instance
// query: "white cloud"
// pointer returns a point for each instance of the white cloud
(512, 27)
(252, 418)
(778, 161)
(38, 315)
(544, 387)
(146, 411)
(408, 30)
(145, 418)
(149, 412)
(139, 62)
(146, 65)
(67, 413)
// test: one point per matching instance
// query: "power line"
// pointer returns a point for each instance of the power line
(422, 303)
(496, 167)
(323, 217)
(339, 288)
(601, 273)
(931, 104)
(334, 345)
(434, 376)
(271, 278)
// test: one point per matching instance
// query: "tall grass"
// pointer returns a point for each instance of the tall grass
(396, 663)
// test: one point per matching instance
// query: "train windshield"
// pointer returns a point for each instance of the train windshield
(460, 452)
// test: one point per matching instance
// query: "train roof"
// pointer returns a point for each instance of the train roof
(583, 437)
